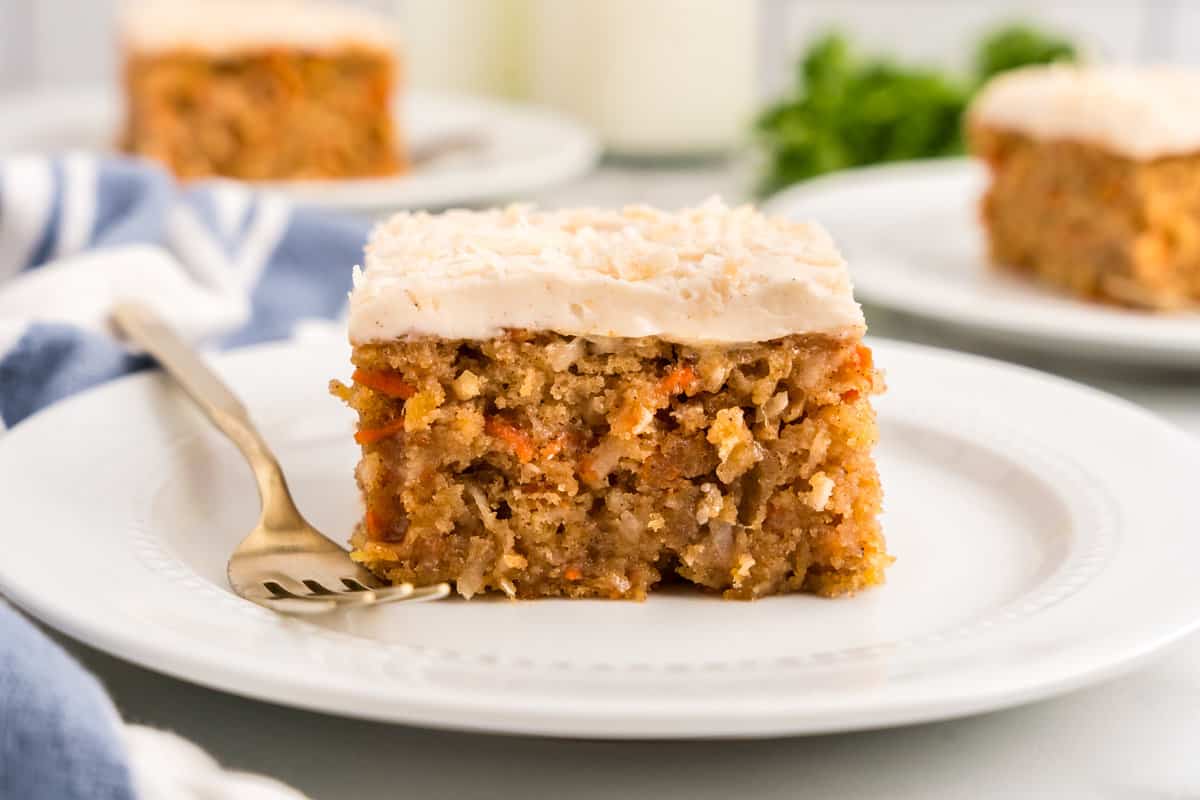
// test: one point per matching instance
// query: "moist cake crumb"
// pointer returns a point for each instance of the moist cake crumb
(1095, 180)
(541, 463)
(264, 90)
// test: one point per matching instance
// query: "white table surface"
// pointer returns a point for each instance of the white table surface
(1134, 737)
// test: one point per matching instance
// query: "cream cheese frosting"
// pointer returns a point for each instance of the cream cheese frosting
(705, 274)
(224, 27)
(1142, 112)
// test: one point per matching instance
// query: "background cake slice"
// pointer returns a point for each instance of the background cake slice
(1095, 179)
(271, 89)
(587, 403)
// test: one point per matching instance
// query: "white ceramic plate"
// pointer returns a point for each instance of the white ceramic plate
(912, 236)
(1045, 536)
(507, 150)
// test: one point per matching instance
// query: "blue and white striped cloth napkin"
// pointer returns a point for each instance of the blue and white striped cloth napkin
(227, 267)
(60, 737)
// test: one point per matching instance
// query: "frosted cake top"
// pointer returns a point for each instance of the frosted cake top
(1142, 112)
(705, 274)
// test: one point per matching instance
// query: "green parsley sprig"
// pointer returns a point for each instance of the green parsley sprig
(847, 111)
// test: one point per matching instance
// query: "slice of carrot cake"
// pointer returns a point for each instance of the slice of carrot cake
(271, 89)
(1095, 179)
(585, 403)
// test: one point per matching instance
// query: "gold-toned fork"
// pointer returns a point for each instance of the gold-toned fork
(284, 563)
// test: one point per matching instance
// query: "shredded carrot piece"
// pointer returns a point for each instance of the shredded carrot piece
(517, 439)
(374, 524)
(373, 435)
(677, 380)
(572, 573)
(850, 396)
(864, 357)
(387, 383)
(587, 469)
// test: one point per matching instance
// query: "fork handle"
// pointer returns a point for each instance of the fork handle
(148, 330)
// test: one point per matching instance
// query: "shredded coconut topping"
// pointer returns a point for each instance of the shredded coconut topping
(1142, 112)
(709, 273)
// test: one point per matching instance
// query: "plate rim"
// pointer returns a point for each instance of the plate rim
(1098, 343)
(700, 724)
(578, 152)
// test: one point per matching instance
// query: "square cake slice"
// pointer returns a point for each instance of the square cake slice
(587, 403)
(1095, 179)
(264, 90)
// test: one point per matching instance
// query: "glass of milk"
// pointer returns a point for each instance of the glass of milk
(654, 78)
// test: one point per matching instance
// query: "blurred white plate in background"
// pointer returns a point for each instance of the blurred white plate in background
(912, 236)
(470, 150)
(1044, 535)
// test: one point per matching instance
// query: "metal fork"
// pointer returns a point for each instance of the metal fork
(285, 563)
